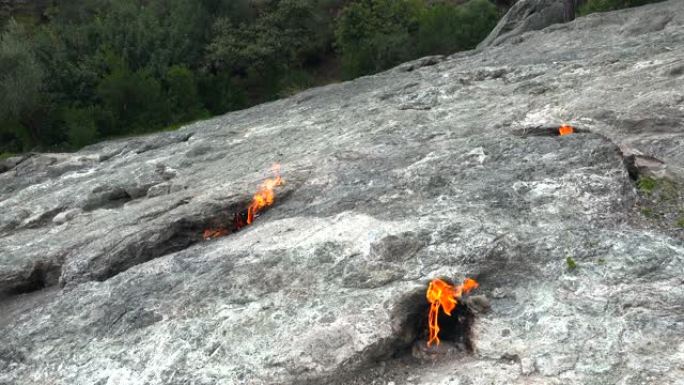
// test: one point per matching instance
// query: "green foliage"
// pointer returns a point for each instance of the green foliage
(80, 125)
(373, 35)
(648, 212)
(647, 184)
(680, 222)
(183, 95)
(21, 76)
(592, 6)
(133, 101)
(93, 69)
(570, 262)
(295, 81)
(286, 37)
(220, 93)
(445, 29)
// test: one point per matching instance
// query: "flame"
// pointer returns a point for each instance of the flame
(566, 129)
(446, 296)
(263, 198)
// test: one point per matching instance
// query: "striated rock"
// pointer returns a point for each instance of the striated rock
(525, 16)
(444, 167)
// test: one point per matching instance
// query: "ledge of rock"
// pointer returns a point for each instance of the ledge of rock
(391, 180)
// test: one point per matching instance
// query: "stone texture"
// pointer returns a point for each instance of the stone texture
(525, 16)
(441, 167)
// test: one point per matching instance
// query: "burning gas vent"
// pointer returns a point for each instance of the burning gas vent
(553, 130)
(566, 129)
(262, 199)
(438, 321)
(444, 296)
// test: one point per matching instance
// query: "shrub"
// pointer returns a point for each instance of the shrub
(183, 95)
(133, 101)
(446, 29)
(680, 222)
(647, 184)
(80, 125)
(21, 77)
(373, 35)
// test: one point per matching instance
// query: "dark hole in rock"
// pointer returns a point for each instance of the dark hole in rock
(42, 275)
(179, 235)
(107, 199)
(153, 243)
(630, 164)
(231, 223)
(455, 331)
(642, 165)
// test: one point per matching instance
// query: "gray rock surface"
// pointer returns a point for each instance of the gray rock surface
(442, 167)
(525, 16)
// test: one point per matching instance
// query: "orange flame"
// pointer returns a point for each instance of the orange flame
(263, 198)
(446, 296)
(566, 129)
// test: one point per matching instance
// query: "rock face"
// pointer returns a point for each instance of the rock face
(525, 16)
(445, 167)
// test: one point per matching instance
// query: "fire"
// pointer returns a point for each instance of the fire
(566, 129)
(263, 198)
(446, 296)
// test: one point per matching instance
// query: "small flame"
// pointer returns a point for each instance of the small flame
(446, 296)
(263, 198)
(566, 129)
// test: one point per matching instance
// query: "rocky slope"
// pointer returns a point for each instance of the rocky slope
(441, 167)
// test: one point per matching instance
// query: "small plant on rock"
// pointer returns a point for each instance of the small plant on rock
(647, 184)
(680, 222)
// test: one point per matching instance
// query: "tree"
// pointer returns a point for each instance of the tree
(132, 101)
(373, 35)
(285, 36)
(445, 28)
(80, 125)
(22, 109)
(183, 95)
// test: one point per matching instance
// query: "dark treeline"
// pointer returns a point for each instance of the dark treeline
(92, 69)
(79, 71)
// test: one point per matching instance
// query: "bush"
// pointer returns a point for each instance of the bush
(182, 95)
(295, 81)
(220, 93)
(373, 35)
(286, 37)
(446, 29)
(80, 125)
(21, 77)
(133, 101)
(592, 6)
